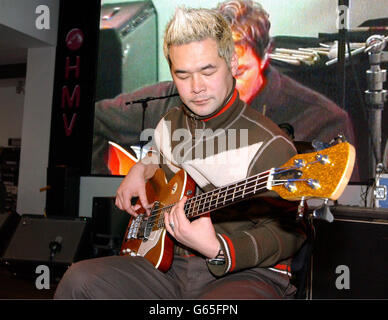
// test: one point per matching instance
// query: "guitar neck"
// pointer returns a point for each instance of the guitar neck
(222, 197)
(227, 195)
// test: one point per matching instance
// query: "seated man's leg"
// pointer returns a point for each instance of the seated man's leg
(250, 284)
(115, 277)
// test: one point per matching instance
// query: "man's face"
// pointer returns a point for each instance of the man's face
(249, 73)
(202, 78)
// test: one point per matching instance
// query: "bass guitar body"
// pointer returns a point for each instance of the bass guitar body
(147, 236)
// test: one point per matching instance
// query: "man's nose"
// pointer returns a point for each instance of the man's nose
(197, 84)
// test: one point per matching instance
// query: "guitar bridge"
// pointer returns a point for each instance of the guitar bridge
(134, 227)
(141, 228)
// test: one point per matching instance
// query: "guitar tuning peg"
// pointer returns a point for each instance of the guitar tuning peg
(301, 209)
(340, 138)
(323, 212)
(319, 145)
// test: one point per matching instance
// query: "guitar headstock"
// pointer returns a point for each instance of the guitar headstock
(322, 174)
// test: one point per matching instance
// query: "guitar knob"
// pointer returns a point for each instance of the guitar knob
(319, 145)
(299, 163)
(126, 251)
(290, 186)
(323, 159)
(314, 184)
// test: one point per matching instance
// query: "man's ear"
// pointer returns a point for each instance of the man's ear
(234, 64)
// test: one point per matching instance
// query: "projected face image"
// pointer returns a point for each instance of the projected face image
(249, 76)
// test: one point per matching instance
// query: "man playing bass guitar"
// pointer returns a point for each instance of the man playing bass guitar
(242, 251)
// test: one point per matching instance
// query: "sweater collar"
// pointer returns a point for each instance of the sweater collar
(228, 102)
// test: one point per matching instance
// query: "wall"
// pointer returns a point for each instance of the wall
(11, 112)
(36, 130)
(31, 118)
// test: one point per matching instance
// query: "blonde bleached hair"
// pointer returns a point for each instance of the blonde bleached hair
(189, 25)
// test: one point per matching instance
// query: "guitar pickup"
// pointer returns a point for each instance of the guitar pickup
(145, 229)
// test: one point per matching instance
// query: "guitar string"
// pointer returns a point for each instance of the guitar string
(202, 200)
(190, 204)
(160, 218)
(204, 196)
(239, 184)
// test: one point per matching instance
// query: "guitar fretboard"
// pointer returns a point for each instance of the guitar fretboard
(220, 197)
(224, 196)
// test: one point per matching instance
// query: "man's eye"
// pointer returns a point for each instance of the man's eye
(209, 72)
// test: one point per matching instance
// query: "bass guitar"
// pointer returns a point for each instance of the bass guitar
(323, 174)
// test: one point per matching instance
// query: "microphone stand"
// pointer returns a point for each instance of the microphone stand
(375, 97)
(144, 103)
(342, 33)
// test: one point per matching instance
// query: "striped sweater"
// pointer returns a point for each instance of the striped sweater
(233, 143)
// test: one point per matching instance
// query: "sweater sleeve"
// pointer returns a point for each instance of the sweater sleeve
(268, 242)
(274, 234)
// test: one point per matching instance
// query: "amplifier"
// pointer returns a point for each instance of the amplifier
(128, 48)
(350, 255)
(8, 223)
(32, 244)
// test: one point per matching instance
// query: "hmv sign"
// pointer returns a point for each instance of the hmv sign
(74, 86)
(70, 101)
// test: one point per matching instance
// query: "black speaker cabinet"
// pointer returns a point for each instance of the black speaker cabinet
(350, 259)
(128, 52)
(8, 224)
(56, 243)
